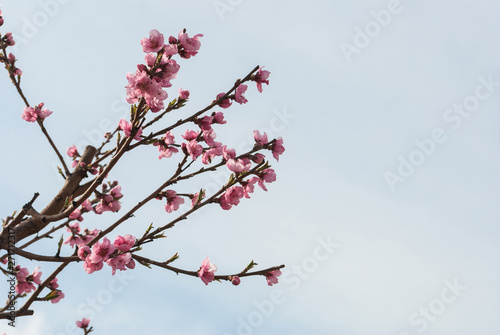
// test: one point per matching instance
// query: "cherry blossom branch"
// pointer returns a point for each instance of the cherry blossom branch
(144, 260)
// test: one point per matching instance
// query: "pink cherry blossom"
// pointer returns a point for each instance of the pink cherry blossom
(239, 165)
(150, 59)
(223, 103)
(76, 215)
(11, 58)
(278, 148)
(191, 45)
(72, 151)
(120, 262)
(260, 139)
(194, 198)
(272, 277)
(29, 114)
(183, 94)
(235, 280)
(228, 153)
(268, 176)
(206, 271)
(127, 129)
(231, 197)
(238, 96)
(9, 40)
(83, 252)
(209, 154)
(83, 324)
(190, 135)
(53, 284)
(205, 123)
(209, 137)
(124, 243)
(165, 148)
(219, 118)
(154, 43)
(248, 186)
(101, 251)
(90, 267)
(257, 158)
(193, 149)
(36, 276)
(261, 77)
(87, 205)
(173, 201)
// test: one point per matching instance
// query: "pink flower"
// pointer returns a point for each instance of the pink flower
(248, 186)
(29, 114)
(76, 215)
(261, 140)
(206, 271)
(173, 201)
(25, 281)
(124, 243)
(193, 149)
(127, 129)
(9, 40)
(154, 43)
(11, 58)
(261, 77)
(272, 277)
(53, 284)
(268, 176)
(165, 148)
(36, 276)
(183, 94)
(278, 148)
(209, 154)
(235, 280)
(87, 205)
(83, 252)
(141, 85)
(190, 135)
(120, 262)
(101, 251)
(224, 103)
(72, 151)
(231, 197)
(83, 324)
(205, 122)
(228, 153)
(191, 45)
(239, 165)
(209, 137)
(238, 96)
(219, 118)
(257, 158)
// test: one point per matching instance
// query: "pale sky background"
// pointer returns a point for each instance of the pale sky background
(352, 120)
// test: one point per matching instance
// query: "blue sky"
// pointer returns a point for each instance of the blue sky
(385, 208)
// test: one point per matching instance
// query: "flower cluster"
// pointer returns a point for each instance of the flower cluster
(166, 145)
(31, 114)
(150, 79)
(109, 199)
(115, 255)
(78, 238)
(25, 280)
